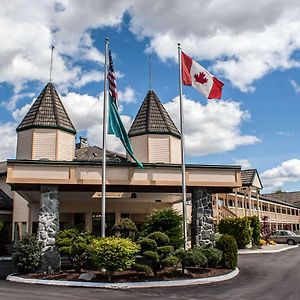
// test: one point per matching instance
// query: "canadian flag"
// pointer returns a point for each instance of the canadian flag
(195, 75)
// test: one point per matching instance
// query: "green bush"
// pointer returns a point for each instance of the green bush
(167, 221)
(255, 225)
(228, 246)
(27, 254)
(158, 257)
(160, 238)
(171, 261)
(153, 255)
(196, 258)
(113, 254)
(76, 245)
(213, 256)
(239, 228)
(147, 244)
(165, 250)
(1, 225)
(141, 268)
(125, 228)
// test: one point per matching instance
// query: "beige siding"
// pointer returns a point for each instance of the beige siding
(65, 145)
(24, 144)
(175, 148)
(44, 144)
(21, 209)
(159, 148)
(140, 147)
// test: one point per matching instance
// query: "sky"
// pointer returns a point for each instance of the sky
(253, 47)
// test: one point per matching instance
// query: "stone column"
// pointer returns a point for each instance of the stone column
(48, 228)
(202, 218)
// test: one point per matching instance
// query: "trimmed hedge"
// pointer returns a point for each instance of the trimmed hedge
(76, 245)
(228, 246)
(239, 228)
(113, 254)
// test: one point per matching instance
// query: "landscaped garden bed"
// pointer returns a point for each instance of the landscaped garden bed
(131, 276)
(154, 254)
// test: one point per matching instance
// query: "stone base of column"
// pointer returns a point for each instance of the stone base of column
(203, 233)
(48, 229)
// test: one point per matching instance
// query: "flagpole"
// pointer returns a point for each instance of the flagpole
(182, 152)
(103, 198)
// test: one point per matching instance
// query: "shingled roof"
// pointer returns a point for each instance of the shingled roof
(47, 112)
(248, 176)
(286, 197)
(95, 154)
(152, 118)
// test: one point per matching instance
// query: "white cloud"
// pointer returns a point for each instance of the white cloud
(86, 113)
(244, 163)
(244, 41)
(296, 86)
(29, 27)
(128, 95)
(285, 133)
(9, 140)
(288, 171)
(212, 128)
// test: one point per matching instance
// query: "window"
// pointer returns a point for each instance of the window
(230, 203)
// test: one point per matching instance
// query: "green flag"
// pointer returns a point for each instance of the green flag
(116, 127)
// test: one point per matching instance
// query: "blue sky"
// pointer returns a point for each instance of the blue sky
(253, 49)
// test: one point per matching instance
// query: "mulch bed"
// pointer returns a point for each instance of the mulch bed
(132, 276)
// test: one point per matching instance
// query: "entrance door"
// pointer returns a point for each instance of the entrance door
(96, 223)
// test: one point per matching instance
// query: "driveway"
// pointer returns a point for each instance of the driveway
(262, 276)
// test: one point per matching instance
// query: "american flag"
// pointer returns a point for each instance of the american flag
(112, 79)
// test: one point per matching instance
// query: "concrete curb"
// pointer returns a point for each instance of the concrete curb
(128, 285)
(5, 258)
(260, 251)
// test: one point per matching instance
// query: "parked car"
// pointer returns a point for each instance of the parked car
(285, 237)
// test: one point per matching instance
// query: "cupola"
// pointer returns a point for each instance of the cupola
(46, 132)
(153, 134)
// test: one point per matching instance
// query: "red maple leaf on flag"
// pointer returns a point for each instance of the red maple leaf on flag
(200, 77)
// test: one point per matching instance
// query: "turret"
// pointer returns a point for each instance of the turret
(46, 132)
(153, 134)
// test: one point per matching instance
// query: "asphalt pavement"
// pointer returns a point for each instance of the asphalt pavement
(273, 276)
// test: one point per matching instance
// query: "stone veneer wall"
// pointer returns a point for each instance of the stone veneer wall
(202, 218)
(48, 228)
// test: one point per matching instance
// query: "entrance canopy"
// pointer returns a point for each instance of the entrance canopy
(27, 177)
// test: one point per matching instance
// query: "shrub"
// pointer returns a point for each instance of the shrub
(125, 228)
(113, 254)
(228, 246)
(153, 255)
(27, 254)
(265, 229)
(196, 258)
(167, 221)
(158, 257)
(165, 250)
(262, 242)
(141, 268)
(255, 225)
(76, 245)
(1, 225)
(171, 261)
(239, 228)
(147, 244)
(160, 238)
(213, 256)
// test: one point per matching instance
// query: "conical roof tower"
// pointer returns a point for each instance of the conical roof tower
(154, 136)
(46, 132)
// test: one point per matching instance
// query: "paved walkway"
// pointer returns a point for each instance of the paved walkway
(269, 249)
